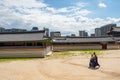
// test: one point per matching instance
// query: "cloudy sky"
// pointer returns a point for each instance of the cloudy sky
(67, 16)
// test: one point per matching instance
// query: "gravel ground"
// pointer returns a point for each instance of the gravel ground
(71, 68)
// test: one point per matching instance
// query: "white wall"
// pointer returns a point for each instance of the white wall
(113, 46)
(39, 52)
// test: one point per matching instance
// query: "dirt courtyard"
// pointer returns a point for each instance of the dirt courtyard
(71, 68)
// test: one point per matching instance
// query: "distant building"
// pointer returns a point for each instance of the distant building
(73, 35)
(2, 29)
(35, 29)
(97, 32)
(12, 30)
(115, 32)
(46, 32)
(92, 35)
(83, 34)
(106, 28)
(15, 30)
(103, 30)
(55, 34)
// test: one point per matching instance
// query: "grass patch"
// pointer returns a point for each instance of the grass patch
(15, 59)
(87, 51)
(65, 54)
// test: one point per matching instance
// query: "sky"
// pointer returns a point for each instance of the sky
(66, 16)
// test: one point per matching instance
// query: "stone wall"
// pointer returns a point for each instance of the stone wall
(76, 47)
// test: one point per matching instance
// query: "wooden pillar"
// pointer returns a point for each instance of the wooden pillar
(35, 43)
(25, 44)
(104, 46)
(44, 44)
(32, 43)
(14, 43)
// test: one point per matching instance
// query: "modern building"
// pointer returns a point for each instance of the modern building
(83, 34)
(55, 34)
(92, 35)
(73, 35)
(15, 30)
(103, 30)
(12, 30)
(106, 28)
(97, 32)
(2, 29)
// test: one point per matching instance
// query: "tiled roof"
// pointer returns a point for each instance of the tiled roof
(22, 36)
(116, 38)
(83, 39)
(116, 29)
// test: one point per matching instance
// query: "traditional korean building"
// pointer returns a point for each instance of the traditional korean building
(82, 43)
(24, 44)
(115, 32)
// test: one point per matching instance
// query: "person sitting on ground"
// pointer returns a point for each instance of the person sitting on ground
(91, 63)
(96, 64)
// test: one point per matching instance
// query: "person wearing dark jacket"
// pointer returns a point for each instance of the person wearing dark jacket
(96, 64)
(91, 63)
(94, 61)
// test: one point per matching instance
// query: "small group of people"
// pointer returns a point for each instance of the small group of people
(93, 64)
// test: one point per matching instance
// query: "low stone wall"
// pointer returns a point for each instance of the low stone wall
(76, 47)
(113, 46)
(22, 52)
(84, 47)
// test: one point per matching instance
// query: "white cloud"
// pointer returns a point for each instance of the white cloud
(81, 4)
(102, 5)
(29, 13)
(51, 10)
(63, 10)
(83, 12)
(23, 3)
